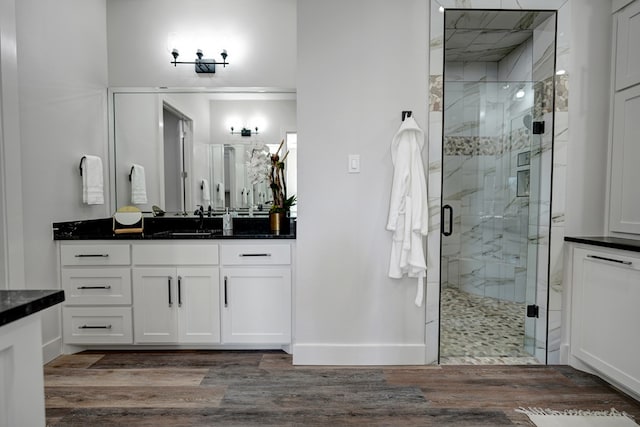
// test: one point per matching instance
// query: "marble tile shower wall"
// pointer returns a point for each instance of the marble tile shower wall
(487, 252)
(543, 245)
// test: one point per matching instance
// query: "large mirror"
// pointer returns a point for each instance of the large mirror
(182, 149)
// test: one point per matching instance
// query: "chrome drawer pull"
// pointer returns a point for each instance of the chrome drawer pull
(254, 255)
(92, 255)
(95, 287)
(94, 327)
(601, 258)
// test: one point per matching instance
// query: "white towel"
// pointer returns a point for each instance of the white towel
(138, 185)
(244, 196)
(206, 194)
(221, 191)
(92, 181)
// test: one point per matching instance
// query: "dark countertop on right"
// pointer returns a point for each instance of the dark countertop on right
(607, 242)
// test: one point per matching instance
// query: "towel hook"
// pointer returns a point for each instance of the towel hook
(406, 114)
(202, 185)
(131, 173)
(82, 160)
(218, 188)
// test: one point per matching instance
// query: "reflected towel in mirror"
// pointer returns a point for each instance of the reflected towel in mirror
(138, 185)
(206, 193)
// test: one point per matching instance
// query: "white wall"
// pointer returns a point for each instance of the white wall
(62, 65)
(360, 63)
(258, 35)
(589, 95)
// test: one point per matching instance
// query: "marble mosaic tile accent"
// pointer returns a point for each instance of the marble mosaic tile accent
(475, 326)
(562, 93)
(469, 360)
(435, 93)
(519, 139)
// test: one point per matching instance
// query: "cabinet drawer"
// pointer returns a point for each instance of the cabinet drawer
(256, 254)
(76, 255)
(96, 286)
(175, 254)
(97, 325)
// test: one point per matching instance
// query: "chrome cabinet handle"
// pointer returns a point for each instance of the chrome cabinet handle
(179, 291)
(169, 290)
(94, 327)
(95, 287)
(91, 255)
(266, 254)
(226, 301)
(617, 261)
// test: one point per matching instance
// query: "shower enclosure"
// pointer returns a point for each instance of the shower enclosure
(497, 140)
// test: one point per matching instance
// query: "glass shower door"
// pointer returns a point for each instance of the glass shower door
(497, 140)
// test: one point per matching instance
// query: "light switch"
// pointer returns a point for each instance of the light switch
(354, 163)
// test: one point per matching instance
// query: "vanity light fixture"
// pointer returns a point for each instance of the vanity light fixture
(244, 131)
(201, 65)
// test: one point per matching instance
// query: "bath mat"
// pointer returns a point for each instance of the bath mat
(577, 418)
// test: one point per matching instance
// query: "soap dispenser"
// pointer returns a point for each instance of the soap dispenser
(227, 225)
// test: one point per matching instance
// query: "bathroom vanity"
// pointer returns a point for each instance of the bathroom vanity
(21, 376)
(183, 283)
(602, 300)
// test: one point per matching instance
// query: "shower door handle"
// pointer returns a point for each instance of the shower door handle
(450, 231)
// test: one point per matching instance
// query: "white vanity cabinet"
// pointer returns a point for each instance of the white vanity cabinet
(256, 293)
(605, 292)
(96, 279)
(176, 291)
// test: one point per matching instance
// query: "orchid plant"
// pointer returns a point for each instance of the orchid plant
(263, 165)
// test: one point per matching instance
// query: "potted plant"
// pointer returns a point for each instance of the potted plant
(265, 166)
(281, 206)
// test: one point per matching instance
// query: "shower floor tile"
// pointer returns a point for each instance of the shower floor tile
(481, 330)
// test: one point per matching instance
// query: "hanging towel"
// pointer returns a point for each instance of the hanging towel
(138, 185)
(221, 191)
(244, 197)
(408, 208)
(92, 181)
(206, 194)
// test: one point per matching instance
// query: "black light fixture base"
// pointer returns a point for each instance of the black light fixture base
(206, 66)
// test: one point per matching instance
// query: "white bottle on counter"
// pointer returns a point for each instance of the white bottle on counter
(227, 224)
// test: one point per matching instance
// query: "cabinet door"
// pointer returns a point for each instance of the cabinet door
(605, 316)
(198, 305)
(155, 305)
(627, 52)
(256, 305)
(624, 204)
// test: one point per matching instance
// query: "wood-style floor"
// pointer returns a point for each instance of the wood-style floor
(202, 388)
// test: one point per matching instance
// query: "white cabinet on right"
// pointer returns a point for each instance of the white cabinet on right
(624, 151)
(624, 203)
(256, 293)
(604, 314)
(627, 52)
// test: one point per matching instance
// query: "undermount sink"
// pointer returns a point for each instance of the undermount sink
(187, 233)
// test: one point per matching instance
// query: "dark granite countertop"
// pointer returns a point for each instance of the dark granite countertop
(607, 242)
(175, 227)
(16, 304)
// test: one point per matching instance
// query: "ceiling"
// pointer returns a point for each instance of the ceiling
(488, 35)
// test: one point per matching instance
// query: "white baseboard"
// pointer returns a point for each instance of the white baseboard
(359, 354)
(51, 350)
